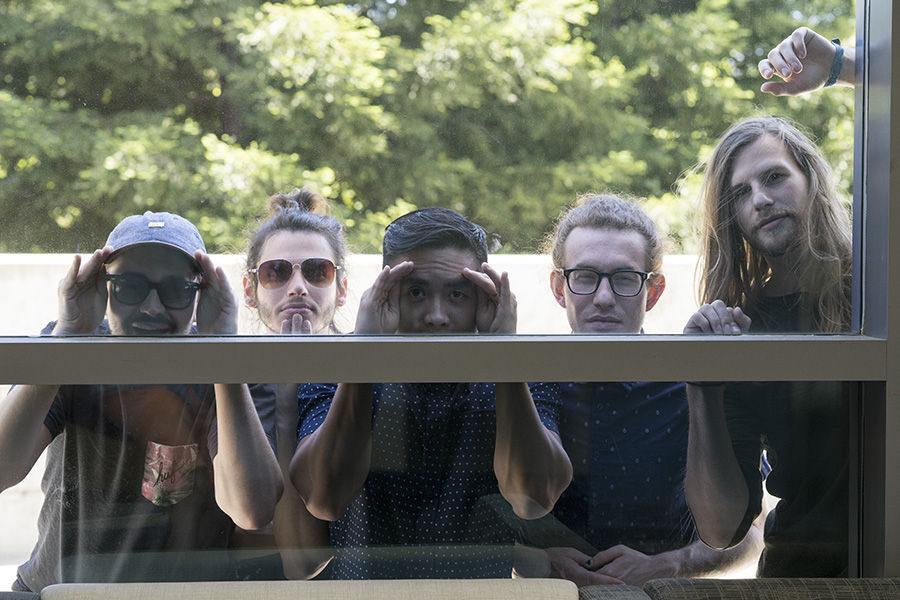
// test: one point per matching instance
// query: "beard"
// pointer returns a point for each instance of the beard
(777, 243)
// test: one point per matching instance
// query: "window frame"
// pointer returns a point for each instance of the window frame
(872, 358)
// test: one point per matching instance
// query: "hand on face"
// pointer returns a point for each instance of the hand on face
(630, 566)
(569, 563)
(216, 307)
(379, 307)
(296, 325)
(497, 307)
(83, 295)
(717, 318)
(802, 61)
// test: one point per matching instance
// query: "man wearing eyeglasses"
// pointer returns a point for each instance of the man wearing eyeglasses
(399, 469)
(129, 480)
(624, 515)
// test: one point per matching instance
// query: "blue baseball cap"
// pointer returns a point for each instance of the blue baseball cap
(156, 228)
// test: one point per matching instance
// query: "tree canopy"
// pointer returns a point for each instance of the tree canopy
(502, 109)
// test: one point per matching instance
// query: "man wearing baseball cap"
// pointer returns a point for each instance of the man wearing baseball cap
(129, 491)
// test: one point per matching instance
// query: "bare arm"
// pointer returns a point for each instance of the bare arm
(302, 539)
(247, 478)
(699, 560)
(23, 435)
(332, 463)
(633, 567)
(531, 466)
(714, 485)
(81, 298)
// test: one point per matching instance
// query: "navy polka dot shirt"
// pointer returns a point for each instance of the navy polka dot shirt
(628, 446)
(421, 512)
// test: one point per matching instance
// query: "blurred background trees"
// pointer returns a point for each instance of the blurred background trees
(502, 109)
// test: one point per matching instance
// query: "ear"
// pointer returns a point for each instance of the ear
(655, 287)
(341, 298)
(249, 291)
(558, 287)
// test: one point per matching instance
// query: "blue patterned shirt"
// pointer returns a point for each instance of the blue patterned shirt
(422, 508)
(628, 446)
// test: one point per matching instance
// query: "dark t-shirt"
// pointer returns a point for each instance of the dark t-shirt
(128, 487)
(419, 512)
(804, 429)
(628, 444)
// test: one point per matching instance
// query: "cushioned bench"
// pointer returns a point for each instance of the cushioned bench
(773, 589)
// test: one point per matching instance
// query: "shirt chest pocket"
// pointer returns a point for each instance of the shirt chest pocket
(169, 473)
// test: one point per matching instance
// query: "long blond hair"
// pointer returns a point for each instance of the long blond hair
(732, 271)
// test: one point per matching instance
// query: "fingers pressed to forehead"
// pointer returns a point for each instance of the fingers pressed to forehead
(482, 280)
(401, 270)
(91, 267)
(389, 276)
(493, 273)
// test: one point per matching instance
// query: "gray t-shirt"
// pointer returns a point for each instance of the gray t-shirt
(128, 488)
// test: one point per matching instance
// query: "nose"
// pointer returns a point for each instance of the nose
(761, 199)
(297, 285)
(436, 316)
(152, 305)
(604, 296)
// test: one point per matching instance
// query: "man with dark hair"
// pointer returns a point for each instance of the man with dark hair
(139, 477)
(404, 465)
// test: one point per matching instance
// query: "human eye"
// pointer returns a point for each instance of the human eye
(415, 292)
(775, 177)
(459, 294)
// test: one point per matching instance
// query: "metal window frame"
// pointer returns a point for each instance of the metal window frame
(872, 358)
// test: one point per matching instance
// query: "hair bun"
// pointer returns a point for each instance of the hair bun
(303, 199)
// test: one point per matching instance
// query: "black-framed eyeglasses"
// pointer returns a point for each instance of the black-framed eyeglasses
(584, 281)
(273, 274)
(133, 288)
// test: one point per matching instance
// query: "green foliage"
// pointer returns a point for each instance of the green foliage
(502, 109)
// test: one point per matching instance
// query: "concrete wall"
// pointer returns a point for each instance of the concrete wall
(29, 283)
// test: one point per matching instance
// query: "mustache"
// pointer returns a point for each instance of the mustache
(773, 216)
(145, 323)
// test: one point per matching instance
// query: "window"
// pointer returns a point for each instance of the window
(866, 356)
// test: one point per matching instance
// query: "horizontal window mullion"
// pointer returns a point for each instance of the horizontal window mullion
(463, 358)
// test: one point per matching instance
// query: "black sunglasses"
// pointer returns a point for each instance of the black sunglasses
(133, 288)
(275, 273)
(584, 281)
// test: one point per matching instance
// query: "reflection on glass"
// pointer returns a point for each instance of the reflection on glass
(455, 480)
(803, 430)
(141, 482)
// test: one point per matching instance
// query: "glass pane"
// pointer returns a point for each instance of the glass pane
(433, 481)
(504, 111)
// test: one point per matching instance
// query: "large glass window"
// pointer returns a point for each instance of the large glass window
(510, 113)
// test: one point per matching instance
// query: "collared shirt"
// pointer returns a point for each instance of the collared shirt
(432, 464)
(628, 445)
